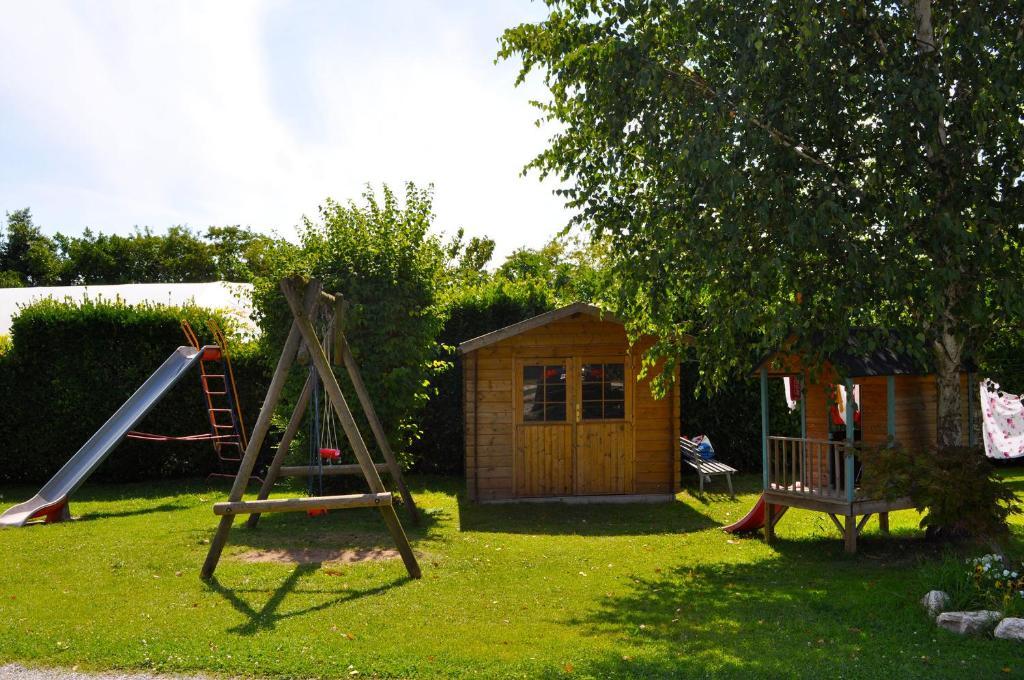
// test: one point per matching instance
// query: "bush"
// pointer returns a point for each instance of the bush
(71, 366)
(956, 488)
(470, 311)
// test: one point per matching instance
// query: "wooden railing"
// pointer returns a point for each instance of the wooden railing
(812, 467)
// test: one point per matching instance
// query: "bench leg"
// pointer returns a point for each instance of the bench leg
(728, 479)
(701, 476)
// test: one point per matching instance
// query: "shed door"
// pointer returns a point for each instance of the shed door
(604, 436)
(544, 428)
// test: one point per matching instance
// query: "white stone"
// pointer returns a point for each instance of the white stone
(1010, 629)
(934, 601)
(968, 623)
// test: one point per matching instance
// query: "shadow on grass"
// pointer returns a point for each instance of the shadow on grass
(163, 507)
(267, 616)
(807, 611)
(597, 519)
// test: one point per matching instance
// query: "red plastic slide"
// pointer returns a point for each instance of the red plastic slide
(753, 520)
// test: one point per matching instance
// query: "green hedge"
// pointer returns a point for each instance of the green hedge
(470, 312)
(70, 366)
(732, 417)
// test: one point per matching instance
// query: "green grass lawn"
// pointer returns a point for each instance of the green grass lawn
(507, 590)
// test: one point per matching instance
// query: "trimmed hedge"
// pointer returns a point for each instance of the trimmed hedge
(471, 312)
(70, 366)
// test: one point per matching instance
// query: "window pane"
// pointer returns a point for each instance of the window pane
(615, 390)
(592, 372)
(533, 393)
(591, 391)
(614, 372)
(591, 410)
(555, 412)
(555, 393)
(615, 409)
(533, 412)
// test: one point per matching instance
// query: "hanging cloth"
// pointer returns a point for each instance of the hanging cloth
(792, 387)
(838, 410)
(1002, 422)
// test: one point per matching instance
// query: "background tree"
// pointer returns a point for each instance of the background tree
(25, 251)
(381, 255)
(789, 167)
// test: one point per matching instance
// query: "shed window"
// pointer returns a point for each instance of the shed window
(604, 391)
(544, 393)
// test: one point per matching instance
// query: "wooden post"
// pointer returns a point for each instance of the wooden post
(363, 395)
(769, 522)
(850, 534)
(890, 407)
(259, 433)
(848, 462)
(274, 471)
(764, 430)
(883, 522)
(348, 423)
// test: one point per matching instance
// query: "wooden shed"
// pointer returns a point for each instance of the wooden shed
(553, 408)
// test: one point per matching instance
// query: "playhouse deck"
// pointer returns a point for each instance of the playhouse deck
(812, 474)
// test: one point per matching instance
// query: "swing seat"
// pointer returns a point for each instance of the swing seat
(329, 454)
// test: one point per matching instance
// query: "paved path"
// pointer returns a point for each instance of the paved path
(16, 672)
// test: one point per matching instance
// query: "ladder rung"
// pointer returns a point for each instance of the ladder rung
(360, 500)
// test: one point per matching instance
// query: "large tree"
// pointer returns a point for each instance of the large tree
(793, 168)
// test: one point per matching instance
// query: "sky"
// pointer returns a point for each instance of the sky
(118, 113)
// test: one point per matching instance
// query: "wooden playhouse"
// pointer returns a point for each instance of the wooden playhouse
(886, 398)
(552, 408)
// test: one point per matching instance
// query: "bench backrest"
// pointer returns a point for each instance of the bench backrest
(689, 449)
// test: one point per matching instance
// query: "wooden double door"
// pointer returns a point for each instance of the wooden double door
(573, 426)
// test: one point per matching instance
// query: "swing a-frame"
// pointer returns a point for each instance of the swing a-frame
(307, 302)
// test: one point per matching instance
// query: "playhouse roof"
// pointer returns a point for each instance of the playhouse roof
(856, 363)
(535, 322)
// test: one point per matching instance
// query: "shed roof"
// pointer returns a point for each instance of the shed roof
(535, 322)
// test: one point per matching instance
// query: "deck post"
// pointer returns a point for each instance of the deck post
(883, 523)
(890, 408)
(850, 427)
(769, 522)
(804, 472)
(850, 534)
(764, 429)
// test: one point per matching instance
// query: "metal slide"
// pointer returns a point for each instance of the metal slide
(50, 504)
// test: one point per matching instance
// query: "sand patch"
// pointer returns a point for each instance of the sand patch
(318, 555)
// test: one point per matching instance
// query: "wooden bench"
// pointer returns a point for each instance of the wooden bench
(705, 468)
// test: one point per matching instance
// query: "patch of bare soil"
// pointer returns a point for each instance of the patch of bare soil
(318, 555)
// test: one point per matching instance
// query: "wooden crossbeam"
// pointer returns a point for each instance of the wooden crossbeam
(327, 470)
(359, 500)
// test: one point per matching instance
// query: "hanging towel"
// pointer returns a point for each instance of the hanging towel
(792, 387)
(839, 407)
(1002, 422)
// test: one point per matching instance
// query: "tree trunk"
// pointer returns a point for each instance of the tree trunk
(948, 352)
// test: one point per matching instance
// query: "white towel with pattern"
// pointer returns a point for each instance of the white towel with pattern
(1002, 422)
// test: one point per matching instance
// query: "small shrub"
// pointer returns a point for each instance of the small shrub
(956, 488)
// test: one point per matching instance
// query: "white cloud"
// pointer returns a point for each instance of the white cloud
(158, 113)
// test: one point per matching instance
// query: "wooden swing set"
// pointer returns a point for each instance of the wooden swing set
(307, 302)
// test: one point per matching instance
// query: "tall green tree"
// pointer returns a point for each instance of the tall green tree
(783, 168)
(381, 255)
(26, 255)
